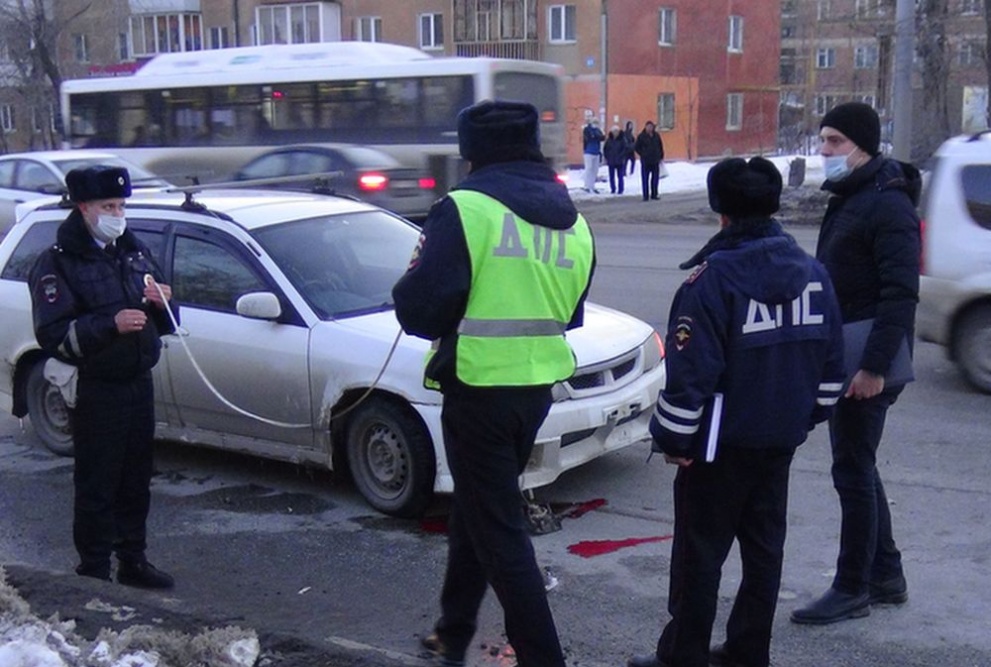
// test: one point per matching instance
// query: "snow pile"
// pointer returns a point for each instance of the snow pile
(27, 641)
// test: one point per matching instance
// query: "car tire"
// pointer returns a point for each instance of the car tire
(972, 343)
(391, 457)
(50, 416)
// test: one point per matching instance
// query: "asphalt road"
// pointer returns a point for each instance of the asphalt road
(296, 554)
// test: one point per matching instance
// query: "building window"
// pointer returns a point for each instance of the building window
(867, 99)
(666, 27)
(824, 103)
(7, 118)
(123, 46)
(825, 58)
(971, 6)
(4, 53)
(368, 29)
(431, 31)
(823, 9)
(152, 34)
(865, 57)
(869, 9)
(735, 34)
(969, 53)
(562, 23)
(220, 37)
(734, 111)
(665, 111)
(288, 24)
(80, 48)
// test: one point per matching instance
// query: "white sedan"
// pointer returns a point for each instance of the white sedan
(40, 174)
(289, 346)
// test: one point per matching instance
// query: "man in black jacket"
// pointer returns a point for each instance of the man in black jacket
(870, 243)
(100, 306)
(650, 148)
(757, 327)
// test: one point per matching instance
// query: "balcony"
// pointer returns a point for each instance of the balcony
(520, 49)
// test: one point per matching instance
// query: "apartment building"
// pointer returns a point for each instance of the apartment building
(706, 71)
(835, 51)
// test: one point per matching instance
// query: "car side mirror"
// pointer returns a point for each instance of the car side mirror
(259, 306)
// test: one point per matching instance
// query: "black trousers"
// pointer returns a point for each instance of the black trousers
(488, 437)
(616, 175)
(743, 495)
(867, 546)
(113, 429)
(650, 176)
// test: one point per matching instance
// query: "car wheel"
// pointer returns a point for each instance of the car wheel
(972, 342)
(48, 412)
(391, 457)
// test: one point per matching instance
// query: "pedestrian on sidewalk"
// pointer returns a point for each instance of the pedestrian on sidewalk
(592, 139)
(615, 151)
(631, 141)
(650, 148)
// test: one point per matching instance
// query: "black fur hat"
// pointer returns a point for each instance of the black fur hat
(742, 189)
(859, 122)
(99, 182)
(499, 131)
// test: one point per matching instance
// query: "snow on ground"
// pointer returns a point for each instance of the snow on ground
(683, 177)
(28, 641)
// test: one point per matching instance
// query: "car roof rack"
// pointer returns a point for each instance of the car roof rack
(321, 185)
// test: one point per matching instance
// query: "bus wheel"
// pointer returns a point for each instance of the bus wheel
(391, 457)
(48, 412)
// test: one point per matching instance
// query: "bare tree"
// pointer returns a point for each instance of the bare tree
(932, 46)
(31, 30)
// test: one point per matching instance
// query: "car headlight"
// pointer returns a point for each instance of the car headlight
(653, 352)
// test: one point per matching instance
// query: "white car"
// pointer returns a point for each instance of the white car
(41, 174)
(286, 306)
(955, 288)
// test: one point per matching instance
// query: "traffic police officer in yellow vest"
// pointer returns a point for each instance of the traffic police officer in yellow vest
(500, 273)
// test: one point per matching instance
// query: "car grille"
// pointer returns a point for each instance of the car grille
(591, 380)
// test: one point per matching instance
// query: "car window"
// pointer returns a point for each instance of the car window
(268, 166)
(39, 237)
(153, 238)
(7, 174)
(976, 179)
(308, 162)
(37, 177)
(342, 264)
(207, 275)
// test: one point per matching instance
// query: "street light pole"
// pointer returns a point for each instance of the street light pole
(901, 98)
(604, 70)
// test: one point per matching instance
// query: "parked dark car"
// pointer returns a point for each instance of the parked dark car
(364, 173)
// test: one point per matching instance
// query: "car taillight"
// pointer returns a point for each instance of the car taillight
(562, 178)
(373, 182)
(427, 183)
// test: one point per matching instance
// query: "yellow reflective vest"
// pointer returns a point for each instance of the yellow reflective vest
(526, 281)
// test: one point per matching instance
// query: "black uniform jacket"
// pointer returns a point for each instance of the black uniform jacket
(870, 244)
(76, 290)
(432, 296)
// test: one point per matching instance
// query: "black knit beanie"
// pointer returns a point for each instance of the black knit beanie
(741, 189)
(859, 122)
(499, 131)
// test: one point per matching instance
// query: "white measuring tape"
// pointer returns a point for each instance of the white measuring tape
(181, 333)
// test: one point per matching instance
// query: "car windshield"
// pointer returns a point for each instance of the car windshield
(342, 265)
(139, 176)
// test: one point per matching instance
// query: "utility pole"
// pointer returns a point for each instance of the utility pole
(901, 98)
(604, 70)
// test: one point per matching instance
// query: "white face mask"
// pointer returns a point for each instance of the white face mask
(836, 167)
(109, 227)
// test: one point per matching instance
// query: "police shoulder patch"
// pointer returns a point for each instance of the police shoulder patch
(696, 273)
(417, 250)
(49, 287)
(683, 332)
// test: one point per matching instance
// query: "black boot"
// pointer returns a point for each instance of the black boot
(889, 591)
(142, 574)
(96, 571)
(833, 606)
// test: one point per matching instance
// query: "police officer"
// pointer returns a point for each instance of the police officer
(501, 271)
(757, 323)
(100, 306)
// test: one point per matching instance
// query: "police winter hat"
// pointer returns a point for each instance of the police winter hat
(859, 122)
(499, 131)
(741, 189)
(99, 182)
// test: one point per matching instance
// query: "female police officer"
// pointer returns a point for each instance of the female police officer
(100, 306)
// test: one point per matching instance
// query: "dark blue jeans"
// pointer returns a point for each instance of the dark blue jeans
(112, 431)
(867, 547)
(650, 175)
(488, 437)
(743, 495)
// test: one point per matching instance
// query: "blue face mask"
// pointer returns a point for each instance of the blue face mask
(836, 167)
